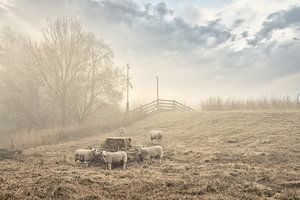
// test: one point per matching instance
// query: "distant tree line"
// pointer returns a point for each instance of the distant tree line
(64, 77)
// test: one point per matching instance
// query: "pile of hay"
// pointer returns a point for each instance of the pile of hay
(118, 143)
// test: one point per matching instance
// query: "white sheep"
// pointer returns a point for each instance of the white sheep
(147, 153)
(86, 155)
(114, 157)
(122, 131)
(156, 135)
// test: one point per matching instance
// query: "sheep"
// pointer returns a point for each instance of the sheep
(156, 134)
(137, 147)
(146, 153)
(86, 155)
(122, 131)
(114, 157)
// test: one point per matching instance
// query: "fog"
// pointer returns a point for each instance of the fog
(197, 48)
(149, 99)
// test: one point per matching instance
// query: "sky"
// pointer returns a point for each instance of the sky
(197, 48)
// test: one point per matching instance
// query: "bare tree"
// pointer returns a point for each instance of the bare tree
(19, 99)
(75, 67)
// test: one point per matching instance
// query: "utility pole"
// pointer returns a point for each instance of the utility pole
(157, 97)
(127, 103)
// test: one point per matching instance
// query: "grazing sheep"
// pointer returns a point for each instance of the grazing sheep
(138, 147)
(122, 131)
(156, 135)
(115, 157)
(86, 155)
(147, 153)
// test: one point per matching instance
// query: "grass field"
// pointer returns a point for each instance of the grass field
(208, 155)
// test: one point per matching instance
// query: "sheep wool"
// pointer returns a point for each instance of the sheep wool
(156, 135)
(114, 157)
(151, 152)
(85, 155)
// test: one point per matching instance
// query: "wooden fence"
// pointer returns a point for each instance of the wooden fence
(158, 105)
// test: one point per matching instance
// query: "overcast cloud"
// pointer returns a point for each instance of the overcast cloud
(279, 20)
(227, 48)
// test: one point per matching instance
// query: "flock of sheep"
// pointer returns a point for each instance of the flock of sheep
(87, 156)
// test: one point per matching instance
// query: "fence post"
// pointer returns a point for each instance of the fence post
(12, 146)
(173, 104)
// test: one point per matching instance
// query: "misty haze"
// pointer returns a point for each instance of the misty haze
(140, 99)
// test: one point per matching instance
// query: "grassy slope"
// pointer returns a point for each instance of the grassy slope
(208, 155)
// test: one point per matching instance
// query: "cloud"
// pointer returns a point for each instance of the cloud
(5, 5)
(162, 10)
(245, 34)
(151, 20)
(276, 21)
(159, 26)
(237, 22)
(264, 63)
(188, 55)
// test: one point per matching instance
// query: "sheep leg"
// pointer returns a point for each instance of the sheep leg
(148, 160)
(109, 166)
(124, 166)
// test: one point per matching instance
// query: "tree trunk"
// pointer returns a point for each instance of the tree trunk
(63, 108)
(63, 114)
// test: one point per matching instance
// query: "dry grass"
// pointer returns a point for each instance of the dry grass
(208, 155)
(32, 138)
(272, 103)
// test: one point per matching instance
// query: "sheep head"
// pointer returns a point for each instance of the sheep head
(104, 154)
(96, 152)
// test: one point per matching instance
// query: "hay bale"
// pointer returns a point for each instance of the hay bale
(118, 143)
(133, 156)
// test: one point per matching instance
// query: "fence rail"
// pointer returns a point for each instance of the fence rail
(159, 105)
(142, 111)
